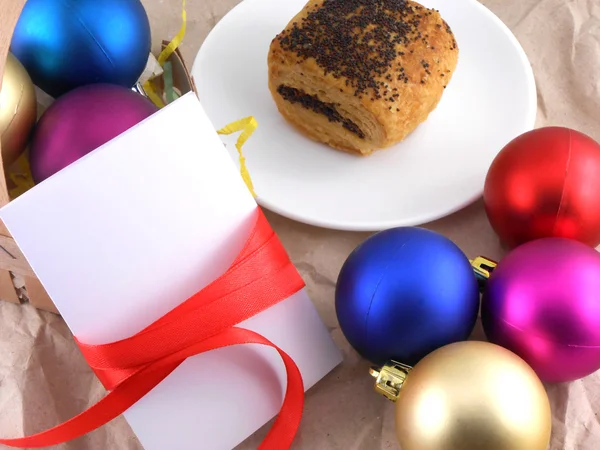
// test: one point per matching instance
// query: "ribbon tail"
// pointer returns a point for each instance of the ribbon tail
(286, 425)
(111, 406)
(140, 383)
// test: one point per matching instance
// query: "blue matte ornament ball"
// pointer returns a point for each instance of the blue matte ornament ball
(404, 293)
(65, 44)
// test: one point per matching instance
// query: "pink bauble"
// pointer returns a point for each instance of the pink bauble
(543, 303)
(81, 121)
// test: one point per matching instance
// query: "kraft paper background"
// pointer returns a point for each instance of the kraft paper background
(44, 380)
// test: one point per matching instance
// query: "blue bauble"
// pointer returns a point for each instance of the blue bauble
(65, 44)
(404, 293)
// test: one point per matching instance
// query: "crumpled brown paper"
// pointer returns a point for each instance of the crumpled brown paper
(44, 380)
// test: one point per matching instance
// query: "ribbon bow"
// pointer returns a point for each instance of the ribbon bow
(261, 276)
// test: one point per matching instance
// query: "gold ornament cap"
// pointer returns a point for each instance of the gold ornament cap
(389, 379)
(483, 268)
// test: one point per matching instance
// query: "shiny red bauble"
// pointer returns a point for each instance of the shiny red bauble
(545, 183)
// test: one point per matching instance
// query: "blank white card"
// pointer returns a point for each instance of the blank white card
(128, 232)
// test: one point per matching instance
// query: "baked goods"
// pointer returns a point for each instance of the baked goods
(360, 75)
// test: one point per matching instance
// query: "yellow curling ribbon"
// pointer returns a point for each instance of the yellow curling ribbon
(20, 175)
(247, 126)
(169, 49)
(162, 58)
(152, 95)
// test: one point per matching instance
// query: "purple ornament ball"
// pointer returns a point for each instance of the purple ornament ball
(81, 121)
(542, 302)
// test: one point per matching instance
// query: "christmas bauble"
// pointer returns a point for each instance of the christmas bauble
(545, 183)
(473, 396)
(542, 302)
(405, 292)
(81, 121)
(18, 110)
(67, 44)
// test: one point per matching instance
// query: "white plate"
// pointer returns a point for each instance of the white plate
(436, 171)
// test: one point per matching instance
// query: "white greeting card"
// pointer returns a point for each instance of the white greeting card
(125, 234)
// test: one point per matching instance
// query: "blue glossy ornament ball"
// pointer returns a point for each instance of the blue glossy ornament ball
(65, 44)
(404, 293)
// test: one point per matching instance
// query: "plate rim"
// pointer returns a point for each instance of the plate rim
(414, 221)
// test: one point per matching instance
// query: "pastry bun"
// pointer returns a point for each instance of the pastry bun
(361, 75)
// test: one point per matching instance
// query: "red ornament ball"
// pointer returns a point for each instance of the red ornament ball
(545, 183)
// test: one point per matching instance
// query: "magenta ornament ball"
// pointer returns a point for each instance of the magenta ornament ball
(542, 302)
(81, 121)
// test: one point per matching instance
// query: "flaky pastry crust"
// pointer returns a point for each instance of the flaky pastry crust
(361, 75)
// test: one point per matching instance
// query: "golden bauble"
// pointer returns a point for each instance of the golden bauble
(18, 110)
(473, 396)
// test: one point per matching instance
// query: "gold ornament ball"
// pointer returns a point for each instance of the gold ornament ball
(473, 396)
(18, 110)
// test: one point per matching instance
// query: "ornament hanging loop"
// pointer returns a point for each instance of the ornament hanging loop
(483, 268)
(390, 378)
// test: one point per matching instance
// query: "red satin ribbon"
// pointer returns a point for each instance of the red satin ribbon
(261, 276)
